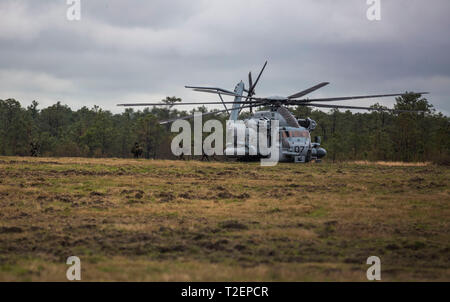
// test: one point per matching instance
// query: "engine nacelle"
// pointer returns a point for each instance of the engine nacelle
(307, 123)
(321, 152)
(318, 152)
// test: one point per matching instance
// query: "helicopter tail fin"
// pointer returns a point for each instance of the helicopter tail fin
(234, 112)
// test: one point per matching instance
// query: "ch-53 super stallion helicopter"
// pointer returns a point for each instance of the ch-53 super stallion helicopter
(295, 143)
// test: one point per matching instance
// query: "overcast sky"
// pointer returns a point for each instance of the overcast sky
(132, 51)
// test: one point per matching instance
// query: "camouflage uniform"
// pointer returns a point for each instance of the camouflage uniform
(136, 150)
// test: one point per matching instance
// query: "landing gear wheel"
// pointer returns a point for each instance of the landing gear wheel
(308, 157)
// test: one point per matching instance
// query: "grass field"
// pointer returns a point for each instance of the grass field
(136, 220)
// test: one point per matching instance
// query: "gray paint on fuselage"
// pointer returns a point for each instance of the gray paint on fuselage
(239, 89)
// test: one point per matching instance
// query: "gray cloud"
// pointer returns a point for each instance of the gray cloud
(144, 50)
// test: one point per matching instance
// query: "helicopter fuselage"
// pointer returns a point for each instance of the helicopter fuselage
(294, 142)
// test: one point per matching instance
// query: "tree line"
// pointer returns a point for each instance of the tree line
(93, 132)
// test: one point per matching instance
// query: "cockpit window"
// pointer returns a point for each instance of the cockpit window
(298, 133)
(295, 133)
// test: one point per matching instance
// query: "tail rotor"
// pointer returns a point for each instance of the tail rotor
(251, 85)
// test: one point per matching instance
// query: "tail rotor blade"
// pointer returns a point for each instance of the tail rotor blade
(257, 79)
(250, 82)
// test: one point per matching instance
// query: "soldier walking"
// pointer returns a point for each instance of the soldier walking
(136, 150)
(34, 149)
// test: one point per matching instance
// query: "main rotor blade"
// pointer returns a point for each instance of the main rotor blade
(353, 107)
(250, 82)
(204, 114)
(228, 94)
(355, 97)
(209, 88)
(216, 92)
(307, 91)
(180, 104)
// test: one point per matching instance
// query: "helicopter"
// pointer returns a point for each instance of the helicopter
(293, 141)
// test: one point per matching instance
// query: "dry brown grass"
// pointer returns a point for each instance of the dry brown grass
(188, 220)
(392, 163)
